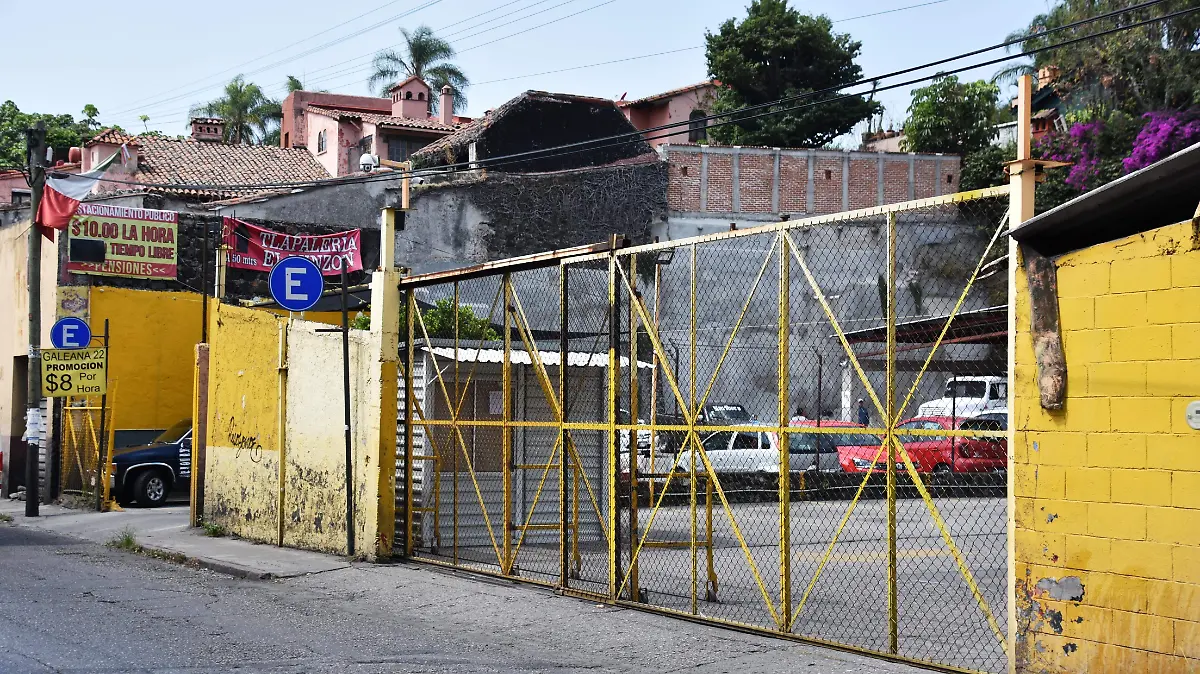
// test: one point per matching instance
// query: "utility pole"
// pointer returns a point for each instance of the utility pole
(36, 155)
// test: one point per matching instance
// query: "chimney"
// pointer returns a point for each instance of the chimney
(446, 107)
(411, 98)
(208, 129)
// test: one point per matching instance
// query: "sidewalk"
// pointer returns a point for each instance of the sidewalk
(166, 530)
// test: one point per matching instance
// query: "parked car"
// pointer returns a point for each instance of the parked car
(940, 454)
(968, 396)
(757, 452)
(147, 474)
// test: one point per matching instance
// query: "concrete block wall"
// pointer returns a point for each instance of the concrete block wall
(754, 180)
(1107, 492)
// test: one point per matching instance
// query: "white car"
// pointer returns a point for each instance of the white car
(968, 397)
(757, 453)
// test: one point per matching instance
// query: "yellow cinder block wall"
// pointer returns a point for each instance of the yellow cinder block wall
(1107, 491)
(153, 336)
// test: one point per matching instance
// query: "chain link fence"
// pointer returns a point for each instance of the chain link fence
(798, 428)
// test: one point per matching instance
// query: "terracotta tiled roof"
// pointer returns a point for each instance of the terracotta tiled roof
(669, 94)
(112, 136)
(192, 164)
(385, 120)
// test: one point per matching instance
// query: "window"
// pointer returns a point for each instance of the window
(400, 149)
(828, 174)
(697, 126)
(408, 95)
(1000, 391)
(320, 141)
(965, 389)
(716, 442)
(745, 441)
(420, 95)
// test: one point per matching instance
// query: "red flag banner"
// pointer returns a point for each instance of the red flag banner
(259, 249)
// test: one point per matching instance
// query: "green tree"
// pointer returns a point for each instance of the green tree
(424, 55)
(62, 132)
(951, 117)
(294, 84)
(1152, 67)
(247, 111)
(776, 52)
(439, 321)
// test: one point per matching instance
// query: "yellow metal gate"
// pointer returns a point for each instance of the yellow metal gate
(797, 428)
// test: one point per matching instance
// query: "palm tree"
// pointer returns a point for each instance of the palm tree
(247, 111)
(424, 55)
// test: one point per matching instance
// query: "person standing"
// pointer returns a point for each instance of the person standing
(864, 417)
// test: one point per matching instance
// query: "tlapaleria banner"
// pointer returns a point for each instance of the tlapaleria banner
(260, 249)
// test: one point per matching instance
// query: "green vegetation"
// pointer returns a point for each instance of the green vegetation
(214, 530)
(777, 52)
(124, 540)
(249, 114)
(951, 117)
(439, 322)
(424, 55)
(62, 132)
(5, 517)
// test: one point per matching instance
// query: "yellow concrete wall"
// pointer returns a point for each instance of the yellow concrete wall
(315, 483)
(153, 336)
(1107, 492)
(241, 477)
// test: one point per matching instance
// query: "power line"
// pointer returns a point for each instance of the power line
(271, 53)
(398, 44)
(428, 3)
(359, 68)
(843, 20)
(732, 117)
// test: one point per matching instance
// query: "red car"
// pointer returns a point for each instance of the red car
(940, 454)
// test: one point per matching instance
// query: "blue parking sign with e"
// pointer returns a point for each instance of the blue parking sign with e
(71, 333)
(296, 284)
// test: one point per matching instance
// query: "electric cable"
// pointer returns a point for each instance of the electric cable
(731, 117)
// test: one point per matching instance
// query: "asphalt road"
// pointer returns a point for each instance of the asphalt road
(940, 620)
(73, 606)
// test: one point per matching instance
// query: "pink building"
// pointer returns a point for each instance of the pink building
(338, 129)
(685, 103)
(13, 188)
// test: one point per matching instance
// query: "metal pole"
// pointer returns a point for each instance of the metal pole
(613, 458)
(506, 426)
(892, 595)
(785, 469)
(101, 453)
(634, 589)
(36, 148)
(564, 457)
(692, 437)
(410, 398)
(346, 402)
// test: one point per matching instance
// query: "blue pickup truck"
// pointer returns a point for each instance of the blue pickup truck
(147, 474)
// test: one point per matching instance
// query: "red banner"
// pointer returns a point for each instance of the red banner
(259, 249)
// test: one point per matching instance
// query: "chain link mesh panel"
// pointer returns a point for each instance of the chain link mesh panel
(798, 428)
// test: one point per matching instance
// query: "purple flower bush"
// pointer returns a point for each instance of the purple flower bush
(1164, 133)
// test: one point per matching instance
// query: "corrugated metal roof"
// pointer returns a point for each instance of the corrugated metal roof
(521, 357)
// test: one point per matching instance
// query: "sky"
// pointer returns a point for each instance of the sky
(155, 58)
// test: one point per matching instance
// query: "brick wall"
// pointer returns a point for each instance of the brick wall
(1107, 492)
(756, 176)
(793, 184)
(720, 183)
(727, 180)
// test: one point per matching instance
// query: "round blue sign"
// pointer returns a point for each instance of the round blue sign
(296, 284)
(71, 333)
